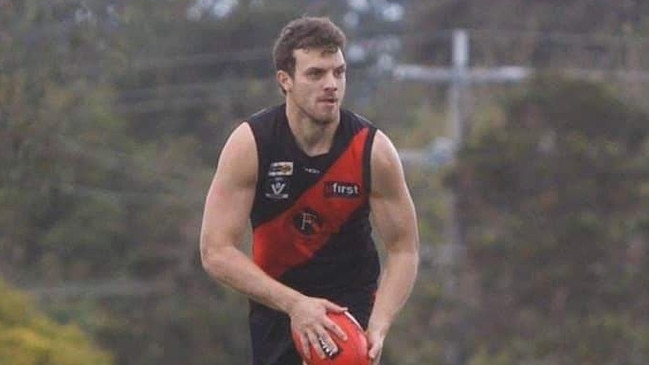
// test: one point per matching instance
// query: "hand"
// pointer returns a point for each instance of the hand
(375, 343)
(310, 322)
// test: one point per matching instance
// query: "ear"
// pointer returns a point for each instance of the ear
(284, 80)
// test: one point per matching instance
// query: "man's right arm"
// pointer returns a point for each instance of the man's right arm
(225, 217)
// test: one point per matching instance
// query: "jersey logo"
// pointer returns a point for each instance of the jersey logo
(277, 188)
(312, 171)
(307, 221)
(338, 189)
(282, 168)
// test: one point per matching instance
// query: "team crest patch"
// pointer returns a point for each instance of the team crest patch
(308, 222)
(282, 168)
(277, 188)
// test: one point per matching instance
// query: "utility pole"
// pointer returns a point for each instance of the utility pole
(459, 78)
(457, 90)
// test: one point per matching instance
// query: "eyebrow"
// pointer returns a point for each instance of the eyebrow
(316, 68)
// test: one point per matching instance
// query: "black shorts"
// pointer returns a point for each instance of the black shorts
(270, 330)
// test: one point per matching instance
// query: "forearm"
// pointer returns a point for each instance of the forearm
(233, 268)
(394, 289)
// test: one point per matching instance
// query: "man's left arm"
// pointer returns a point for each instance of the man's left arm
(395, 219)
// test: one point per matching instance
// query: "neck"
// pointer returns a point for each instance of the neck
(312, 136)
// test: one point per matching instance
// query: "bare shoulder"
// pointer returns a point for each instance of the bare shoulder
(241, 140)
(383, 150)
(238, 159)
(231, 193)
(387, 171)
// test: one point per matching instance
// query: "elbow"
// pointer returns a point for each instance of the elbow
(407, 254)
(205, 258)
(412, 255)
(212, 261)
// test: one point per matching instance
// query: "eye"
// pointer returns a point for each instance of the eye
(339, 72)
(314, 73)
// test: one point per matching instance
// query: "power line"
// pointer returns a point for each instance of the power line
(263, 53)
(260, 53)
(99, 289)
(563, 37)
(242, 55)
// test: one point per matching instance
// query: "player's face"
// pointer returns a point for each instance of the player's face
(318, 85)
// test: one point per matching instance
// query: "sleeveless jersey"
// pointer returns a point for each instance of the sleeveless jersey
(310, 216)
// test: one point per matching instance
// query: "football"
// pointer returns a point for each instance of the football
(350, 352)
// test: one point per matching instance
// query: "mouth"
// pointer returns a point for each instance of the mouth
(330, 101)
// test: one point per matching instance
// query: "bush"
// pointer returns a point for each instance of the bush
(28, 337)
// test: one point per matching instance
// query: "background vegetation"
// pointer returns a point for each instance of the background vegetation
(113, 113)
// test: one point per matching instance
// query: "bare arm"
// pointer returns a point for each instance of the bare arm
(394, 217)
(225, 217)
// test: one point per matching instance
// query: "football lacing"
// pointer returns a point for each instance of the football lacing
(329, 351)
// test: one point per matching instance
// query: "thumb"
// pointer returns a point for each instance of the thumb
(375, 348)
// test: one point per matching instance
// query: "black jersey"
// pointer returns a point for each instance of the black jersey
(310, 216)
(311, 228)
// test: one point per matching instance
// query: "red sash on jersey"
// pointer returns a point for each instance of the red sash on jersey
(279, 244)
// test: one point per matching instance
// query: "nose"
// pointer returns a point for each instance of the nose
(330, 82)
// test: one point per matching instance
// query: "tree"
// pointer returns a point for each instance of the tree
(545, 34)
(28, 337)
(57, 141)
(557, 229)
(97, 187)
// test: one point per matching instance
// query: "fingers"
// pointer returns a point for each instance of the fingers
(375, 345)
(319, 339)
(375, 355)
(335, 329)
(304, 344)
(331, 325)
(315, 329)
(315, 340)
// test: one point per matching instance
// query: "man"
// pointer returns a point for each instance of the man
(308, 174)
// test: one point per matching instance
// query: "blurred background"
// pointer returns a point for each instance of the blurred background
(523, 127)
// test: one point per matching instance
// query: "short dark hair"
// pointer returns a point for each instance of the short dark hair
(306, 33)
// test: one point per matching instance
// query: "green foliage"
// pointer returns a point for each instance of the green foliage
(56, 123)
(545, 34)
(111, 119)
(553, 213)
(27, 337)
(105, 160)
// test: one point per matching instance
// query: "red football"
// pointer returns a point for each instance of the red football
(350, 352)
